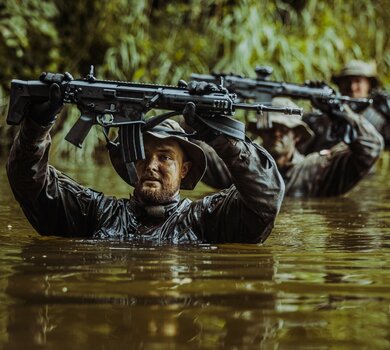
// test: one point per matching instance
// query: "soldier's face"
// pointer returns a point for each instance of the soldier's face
(355, 86)
(280, 141)
(161, 172)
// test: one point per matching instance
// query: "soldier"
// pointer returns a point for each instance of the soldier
(328, 173)
(57, 205)
(357, 79)
(360, 79)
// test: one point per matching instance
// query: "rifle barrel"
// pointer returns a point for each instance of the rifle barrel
(266, 108)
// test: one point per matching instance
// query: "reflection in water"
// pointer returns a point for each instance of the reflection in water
(154, 295)
(320, 281)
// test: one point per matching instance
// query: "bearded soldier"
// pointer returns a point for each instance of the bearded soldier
(57, 205)
(330, 172)
(357, 79)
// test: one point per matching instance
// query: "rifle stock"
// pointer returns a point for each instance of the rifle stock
(22, 94)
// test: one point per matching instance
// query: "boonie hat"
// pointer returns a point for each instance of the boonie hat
(356, 68)
(291, 121)
(168, 129)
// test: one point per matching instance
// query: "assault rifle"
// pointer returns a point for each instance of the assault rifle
(262, 89)
(124, 105)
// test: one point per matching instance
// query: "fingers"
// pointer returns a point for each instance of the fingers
(55, 96)
(189, 110)
(196, 87)
(182, 83)
(55, 78)
(42, 77)
(45, 112)
(201, 87)
(316, 83)
(68, 76)
(321, 104)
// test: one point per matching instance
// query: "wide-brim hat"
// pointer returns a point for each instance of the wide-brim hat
(169, 129)
(356, 68)
(294, 122)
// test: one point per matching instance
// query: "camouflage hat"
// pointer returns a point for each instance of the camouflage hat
(169, 129)
(291, 121)
(357, 68)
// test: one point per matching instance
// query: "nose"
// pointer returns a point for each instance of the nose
(355, 85)
(151, 163)
(277, 133)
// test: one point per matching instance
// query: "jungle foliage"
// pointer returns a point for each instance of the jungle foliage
(164, 41)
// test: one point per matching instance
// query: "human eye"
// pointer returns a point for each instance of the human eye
(165, 157)
(284, 129)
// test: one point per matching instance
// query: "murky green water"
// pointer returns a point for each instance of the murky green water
(321, 281)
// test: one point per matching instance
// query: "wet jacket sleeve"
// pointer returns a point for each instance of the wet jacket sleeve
(246, 211)
(217, 174)
(345, 165)
(53, 203)
(380, 122)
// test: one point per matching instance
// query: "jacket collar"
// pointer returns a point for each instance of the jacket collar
(155, 212)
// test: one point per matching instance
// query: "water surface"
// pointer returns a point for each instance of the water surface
(321, 281)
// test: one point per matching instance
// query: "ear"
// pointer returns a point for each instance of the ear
(185, 168)
(297, 135)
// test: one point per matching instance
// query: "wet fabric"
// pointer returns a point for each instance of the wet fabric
(57, 205)
(321, 125)
(320, 174)
(380, 123)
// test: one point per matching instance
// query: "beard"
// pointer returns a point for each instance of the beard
(154, 195)
(278, 149)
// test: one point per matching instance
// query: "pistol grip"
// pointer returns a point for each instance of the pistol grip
(80, 130)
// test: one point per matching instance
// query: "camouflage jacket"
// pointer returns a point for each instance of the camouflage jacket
(320, 174)
(57, 205)
(380, 123)
(321, 125)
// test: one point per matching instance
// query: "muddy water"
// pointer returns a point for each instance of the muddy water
(321, 281)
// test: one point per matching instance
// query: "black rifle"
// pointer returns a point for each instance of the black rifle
(262, 89)
(124, 105)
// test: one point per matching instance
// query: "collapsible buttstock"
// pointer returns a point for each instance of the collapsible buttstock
(16, 110)
(19, 100)
(23, 92)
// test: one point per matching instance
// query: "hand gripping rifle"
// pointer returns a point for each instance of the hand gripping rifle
(124, 105)
(262, 89)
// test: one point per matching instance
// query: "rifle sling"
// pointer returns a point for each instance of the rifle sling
(225, 125)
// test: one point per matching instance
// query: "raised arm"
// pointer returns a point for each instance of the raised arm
(217, 175)
(346, 164)
(246, 211)
(53, 203)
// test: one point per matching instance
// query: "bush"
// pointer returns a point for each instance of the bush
(162, 42)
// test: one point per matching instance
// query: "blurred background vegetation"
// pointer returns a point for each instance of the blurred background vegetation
(164, 41)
